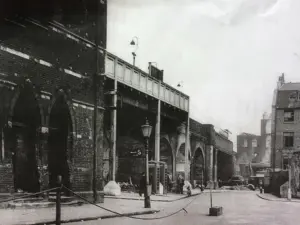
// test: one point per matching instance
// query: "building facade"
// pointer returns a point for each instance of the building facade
(46, 103)
(254, 151)
(286, 146)
(248, 146)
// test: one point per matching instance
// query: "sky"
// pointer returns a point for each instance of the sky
(228, 54)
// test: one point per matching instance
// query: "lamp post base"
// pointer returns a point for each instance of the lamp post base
(216, 211)
(147, 202)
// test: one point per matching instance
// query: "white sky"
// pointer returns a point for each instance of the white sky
(228, 53)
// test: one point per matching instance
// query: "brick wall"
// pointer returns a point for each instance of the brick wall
(62, 52)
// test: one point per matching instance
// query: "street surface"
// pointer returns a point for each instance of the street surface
(238, 208)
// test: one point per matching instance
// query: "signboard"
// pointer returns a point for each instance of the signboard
(156, 73)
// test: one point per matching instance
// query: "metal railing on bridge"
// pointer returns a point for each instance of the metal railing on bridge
(136, 78)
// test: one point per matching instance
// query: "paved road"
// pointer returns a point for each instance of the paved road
(239, 208)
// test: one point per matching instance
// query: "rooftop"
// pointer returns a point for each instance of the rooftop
(290, 86)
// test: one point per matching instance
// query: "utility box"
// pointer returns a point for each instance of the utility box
(216, 211)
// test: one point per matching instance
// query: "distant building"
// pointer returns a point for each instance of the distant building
(254, 151)
(286, 124)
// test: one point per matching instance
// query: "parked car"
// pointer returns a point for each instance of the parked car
(236, 180)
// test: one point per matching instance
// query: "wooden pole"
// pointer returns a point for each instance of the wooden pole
(58, 206)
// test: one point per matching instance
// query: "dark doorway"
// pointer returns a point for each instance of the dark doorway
(198, 166)
(60, 131)
(166, 155)
(26, 121)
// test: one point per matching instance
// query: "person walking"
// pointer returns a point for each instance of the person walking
(180, 182)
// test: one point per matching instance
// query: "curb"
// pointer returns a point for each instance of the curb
(157, 200)
(276, 200)
(94, 218)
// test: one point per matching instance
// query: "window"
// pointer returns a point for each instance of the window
(293, 96)
(254, 143)
(245, 143)
(288, 115)
(288, 139)
(285, 163)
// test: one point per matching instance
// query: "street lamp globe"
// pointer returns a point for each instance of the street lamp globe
(146, 129)
(132, 42)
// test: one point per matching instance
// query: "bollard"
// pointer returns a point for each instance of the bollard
(58, 209)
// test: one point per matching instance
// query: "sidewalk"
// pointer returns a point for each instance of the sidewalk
(43, 216)
(270, 197)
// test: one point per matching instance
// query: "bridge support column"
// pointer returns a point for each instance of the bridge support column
(157, 131)
(187, 146)
(216, 168)
(209, 164)
(112, 188)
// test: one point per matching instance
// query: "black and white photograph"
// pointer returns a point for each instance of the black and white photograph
(149, 112)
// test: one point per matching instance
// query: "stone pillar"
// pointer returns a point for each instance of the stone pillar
(209, 163)
(112, 188)
(216, 168)
(187, 147)
(157, 132)
(43, 158)
(181, 139)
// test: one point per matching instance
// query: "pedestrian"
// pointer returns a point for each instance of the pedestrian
(189, 192)
(180, 182)
(142, 185)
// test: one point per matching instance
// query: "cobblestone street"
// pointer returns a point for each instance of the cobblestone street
(239, 208)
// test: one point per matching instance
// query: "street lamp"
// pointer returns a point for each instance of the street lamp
(134, 42)
(146, 130)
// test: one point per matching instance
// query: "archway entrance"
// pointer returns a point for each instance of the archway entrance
(26, 120)
(198, 166)
(60, 130)
(166, 155)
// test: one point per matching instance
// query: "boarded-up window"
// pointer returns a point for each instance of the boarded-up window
(288, 115)
(288, 139)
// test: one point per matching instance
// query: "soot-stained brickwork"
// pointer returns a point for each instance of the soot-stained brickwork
(51, 60)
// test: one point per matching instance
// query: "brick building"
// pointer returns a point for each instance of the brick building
(286, 145)
(254, 151)
(248, 145)
(47, 59)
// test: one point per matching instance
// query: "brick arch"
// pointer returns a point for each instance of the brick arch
(20, 87)
(165, 138)
(169, 144)
(71, 138)
(56, 95)
(196, 174)
(197, 148)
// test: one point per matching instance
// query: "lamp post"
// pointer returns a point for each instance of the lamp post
(134, 42)
(146, 130)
